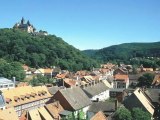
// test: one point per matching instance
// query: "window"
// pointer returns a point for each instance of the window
(5, 86)
(11, 85)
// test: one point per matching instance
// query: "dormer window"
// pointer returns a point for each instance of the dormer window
(39, 93)
(27, 96)
(33, 94)
(16, 99)
(8, 100)
(44, 92)
(23, 97)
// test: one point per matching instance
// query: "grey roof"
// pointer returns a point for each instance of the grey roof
(134, 76)
(117, 89)
(95, 89)
(106, 106)
(76, 97)
(53, 90)
(65, 112)
(153, 94)
(5, 80)
(2, 102)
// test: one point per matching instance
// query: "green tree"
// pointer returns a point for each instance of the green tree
(146, 80)
(10, 70)
(123, 114)
(40, 79)
(139, 114)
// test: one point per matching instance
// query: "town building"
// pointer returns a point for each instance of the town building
(73, 100)
(121, 81)
(138, 99)
(6, 83)
(26, 98)
(97, 92)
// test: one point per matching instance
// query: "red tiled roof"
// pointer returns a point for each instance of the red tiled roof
(121, 77)
(99, 116)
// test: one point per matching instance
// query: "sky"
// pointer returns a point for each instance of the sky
(88, 24)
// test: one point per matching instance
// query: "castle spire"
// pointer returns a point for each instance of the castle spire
(22, 21)
(28, 23)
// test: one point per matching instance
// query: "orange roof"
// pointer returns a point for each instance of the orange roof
(8, 114)
(70, 82)
(62, 76)
(48, 71)
(25, 67)
(156, 80)
(54, 109)
(121, 77)
(22, 84)
(40, 92)
(104, 70)
(99, 116)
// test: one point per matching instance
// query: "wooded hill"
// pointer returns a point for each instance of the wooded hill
(125, 51)
(41, 51)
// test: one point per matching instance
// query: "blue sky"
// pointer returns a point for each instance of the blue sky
(88, 24)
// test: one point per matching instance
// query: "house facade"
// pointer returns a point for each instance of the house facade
(97, 92)
(26, 98)
(121, 81)
(73, 100)
(6, 83)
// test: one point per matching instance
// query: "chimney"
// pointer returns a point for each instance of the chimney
(116, 104)
(14, 81)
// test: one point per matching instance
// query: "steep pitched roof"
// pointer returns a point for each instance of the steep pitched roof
(139, 99)
(26, 91)
(107, 83)
(75, 97)
(120, 77)
(95, 89)
(70, 82)
(34, 114)
(52, 90)
(156, 80)
(8, 114)
(54, 109)
(44, 113)
(153, 94)
(99, 116)
(105, 106)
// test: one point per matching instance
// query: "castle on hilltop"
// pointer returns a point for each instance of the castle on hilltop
(26, 26)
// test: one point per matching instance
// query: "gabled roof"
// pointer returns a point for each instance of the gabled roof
(105, 106)
(8, 114)
(120, 77)
(54, 109)
(44, 113)
(70, 82)
(18, 93)
(99, 116)
(107, 83)
(34, 114)
(75, 98)
(156, 80)
(52, 90)
(153, 94)
(139, 99)
(5, 80)
(95, 89)
(44, 71)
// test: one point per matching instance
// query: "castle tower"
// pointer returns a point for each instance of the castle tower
(22, 21)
